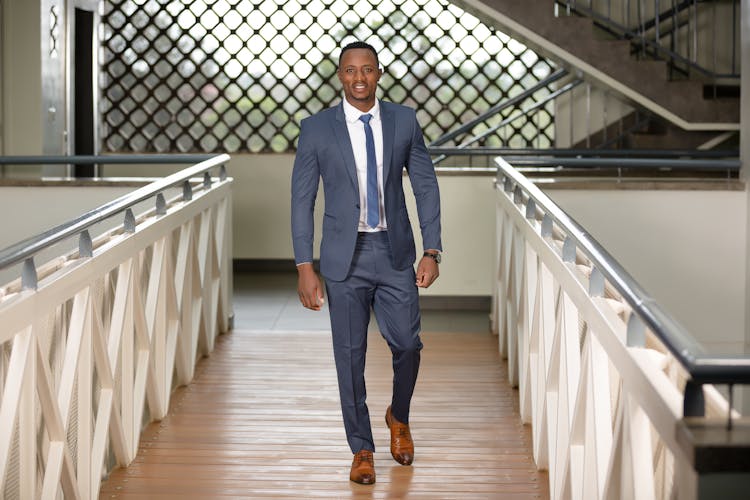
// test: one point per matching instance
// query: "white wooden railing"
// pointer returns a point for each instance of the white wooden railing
(93, 342)
(600, 368)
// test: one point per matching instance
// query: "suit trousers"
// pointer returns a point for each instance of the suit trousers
(373, 283)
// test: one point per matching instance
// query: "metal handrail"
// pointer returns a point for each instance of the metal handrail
(111, 159)
(702, 367)
(633, 163)
(586, 153)
(497, 108)
(563, 161)
(515, 116)
(635, 36)
(26, 249)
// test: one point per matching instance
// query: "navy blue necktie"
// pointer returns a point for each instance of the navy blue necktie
(373, 208)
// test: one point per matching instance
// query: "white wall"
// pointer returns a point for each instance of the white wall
(28, 211)
(21, 72)
(262, 215)
(686, 248)
(745, 139)
(262, 218)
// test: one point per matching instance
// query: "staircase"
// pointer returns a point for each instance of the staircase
(574, 42)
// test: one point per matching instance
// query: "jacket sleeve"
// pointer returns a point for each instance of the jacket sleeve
(425, 187)
(305, 179)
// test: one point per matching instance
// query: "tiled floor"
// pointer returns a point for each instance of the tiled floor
(267, 301)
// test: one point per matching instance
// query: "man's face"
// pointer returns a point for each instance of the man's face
(359, 75)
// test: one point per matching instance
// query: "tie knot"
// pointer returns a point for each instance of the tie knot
(365, 118)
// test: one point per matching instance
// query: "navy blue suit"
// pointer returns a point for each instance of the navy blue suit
(364, 270)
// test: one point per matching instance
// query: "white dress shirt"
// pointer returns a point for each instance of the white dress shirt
(357, 137)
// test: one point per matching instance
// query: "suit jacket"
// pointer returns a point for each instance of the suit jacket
(325, 152)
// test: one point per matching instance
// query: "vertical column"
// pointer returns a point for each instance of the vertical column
(743, 399)
(53, 39)
(745, 144)
(21, 73)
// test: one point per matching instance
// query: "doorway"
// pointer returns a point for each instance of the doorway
(83, 91)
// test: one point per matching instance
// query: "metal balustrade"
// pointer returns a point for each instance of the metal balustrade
(604, 374)
(602, 164)
(695, 37)
(93, 342)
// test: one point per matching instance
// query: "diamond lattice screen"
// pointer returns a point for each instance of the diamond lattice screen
(239, 75)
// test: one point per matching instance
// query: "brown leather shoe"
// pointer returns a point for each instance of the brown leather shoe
(363, 468)
(402, 447)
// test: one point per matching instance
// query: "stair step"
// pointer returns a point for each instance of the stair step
(578, 37)
(671, 139)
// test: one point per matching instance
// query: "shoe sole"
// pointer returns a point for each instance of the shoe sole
(362, 482)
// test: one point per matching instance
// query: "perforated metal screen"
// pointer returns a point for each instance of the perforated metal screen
(239, 75)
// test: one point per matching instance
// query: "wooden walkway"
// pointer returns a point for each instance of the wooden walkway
(262, 420)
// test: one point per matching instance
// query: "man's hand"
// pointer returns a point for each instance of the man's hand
(427, 272)
(309, 287)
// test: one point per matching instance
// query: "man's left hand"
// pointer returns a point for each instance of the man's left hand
(427, 272)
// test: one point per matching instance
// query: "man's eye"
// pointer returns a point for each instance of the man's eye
(368, 70)
(350, 70)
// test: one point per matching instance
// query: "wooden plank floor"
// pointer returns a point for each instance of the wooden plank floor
(262, 420)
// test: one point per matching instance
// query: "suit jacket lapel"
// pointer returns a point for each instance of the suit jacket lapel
(389, 129)
(345, 145)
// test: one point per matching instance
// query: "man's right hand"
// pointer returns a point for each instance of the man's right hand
(309, 287)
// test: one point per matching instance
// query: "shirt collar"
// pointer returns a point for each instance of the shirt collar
(352, 114)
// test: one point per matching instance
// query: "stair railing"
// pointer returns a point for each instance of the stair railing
(492, 129)
(693, 36)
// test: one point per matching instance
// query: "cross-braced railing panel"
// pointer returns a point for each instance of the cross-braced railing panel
(603, 395)
(95, 347)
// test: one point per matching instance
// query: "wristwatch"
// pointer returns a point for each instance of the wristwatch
(434, 256)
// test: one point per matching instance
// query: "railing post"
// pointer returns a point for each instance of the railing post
(719, 457)
(569, 250)
(636, 333)
(187, 191)
(128, 224)
(596, 283)
(161, 204)
(694, 404)
(718, 453)
(546, 226)
(28, 275)
(85, 245)
(530, 210)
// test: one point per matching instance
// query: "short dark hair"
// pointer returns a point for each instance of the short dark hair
(359, 45)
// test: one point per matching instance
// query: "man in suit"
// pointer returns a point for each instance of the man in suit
(359, 149)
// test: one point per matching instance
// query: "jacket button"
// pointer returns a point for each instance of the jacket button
(357, 206)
